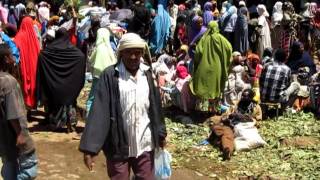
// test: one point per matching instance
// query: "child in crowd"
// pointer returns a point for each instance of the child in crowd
(17, 149)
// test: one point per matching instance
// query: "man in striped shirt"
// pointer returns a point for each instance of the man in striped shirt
(126, 120)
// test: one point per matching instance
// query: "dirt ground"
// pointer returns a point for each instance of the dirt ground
(59, 158)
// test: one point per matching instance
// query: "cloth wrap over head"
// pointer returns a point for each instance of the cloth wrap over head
(133, 40)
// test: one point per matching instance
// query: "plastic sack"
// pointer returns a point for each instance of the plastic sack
(247, 137)
(162, 161)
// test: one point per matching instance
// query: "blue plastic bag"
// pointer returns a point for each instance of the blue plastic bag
(162, 161)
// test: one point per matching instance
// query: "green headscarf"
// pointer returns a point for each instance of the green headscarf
(103, 55)
(211, 64)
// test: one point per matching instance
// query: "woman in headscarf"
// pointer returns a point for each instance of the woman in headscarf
(277, 15)
(241, 42)
(61, 75)
(208, 14)
(19, 11)
(180, 34)
(140, 22)
(229, 24)
(181, 95)
(225, 6)
(215, 10)
(101, 58)
(211, 66)
(3, 14)
(29, 47)
(198, 29)
(264, 40)
(12, 17)
(160, 29)
(300, 58)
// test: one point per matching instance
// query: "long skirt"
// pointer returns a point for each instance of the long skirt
(63, 116)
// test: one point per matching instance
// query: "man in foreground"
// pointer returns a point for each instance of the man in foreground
(125, 120)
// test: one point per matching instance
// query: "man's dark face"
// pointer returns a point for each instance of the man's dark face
(171, 2)
(245, 97)
(131, 59)
(301, 50)
(10, 59)
(199, 23)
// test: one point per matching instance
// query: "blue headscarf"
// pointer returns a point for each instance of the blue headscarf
(160, 27)
(207, 15)
(226, 17)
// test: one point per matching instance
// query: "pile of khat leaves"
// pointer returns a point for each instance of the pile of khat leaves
(293, 150)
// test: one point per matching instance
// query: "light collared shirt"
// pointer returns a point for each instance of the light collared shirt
(134, 100)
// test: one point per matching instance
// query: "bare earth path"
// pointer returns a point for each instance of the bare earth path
(59, 158)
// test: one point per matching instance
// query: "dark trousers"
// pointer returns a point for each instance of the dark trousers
(142, 167)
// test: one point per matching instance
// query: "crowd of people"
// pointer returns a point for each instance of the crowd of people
(231, 58)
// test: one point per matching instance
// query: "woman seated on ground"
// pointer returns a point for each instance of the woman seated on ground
(185, 100)
(300, 58)
(179, 91)
(164, 69)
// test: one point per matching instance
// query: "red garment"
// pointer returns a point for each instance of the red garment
(316, 19)
(182, 72)
(29, 47)
(182, 35)
(285, 42)
(72, 35)
(255, 63)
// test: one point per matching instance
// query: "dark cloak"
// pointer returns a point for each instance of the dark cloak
(61, 71)
(298, 59)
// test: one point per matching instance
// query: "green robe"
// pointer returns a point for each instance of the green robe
(211, 64)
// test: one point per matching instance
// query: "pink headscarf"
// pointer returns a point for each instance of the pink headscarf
(182, 7)
(4, 14)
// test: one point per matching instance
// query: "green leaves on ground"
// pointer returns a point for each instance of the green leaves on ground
(292, 151)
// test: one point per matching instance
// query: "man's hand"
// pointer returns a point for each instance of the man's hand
(89, 160)
(20, 140)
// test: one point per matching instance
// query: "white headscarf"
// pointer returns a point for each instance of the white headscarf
(44, 14)
(277, 13)
(262, 10)
(224, 7)
(313, 8)
(242, 3)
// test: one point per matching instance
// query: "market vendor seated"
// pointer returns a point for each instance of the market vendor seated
(222, 133)
(275, 81)
(248, 106)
